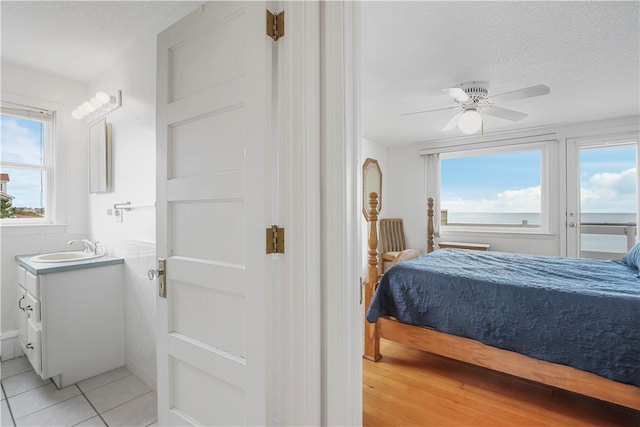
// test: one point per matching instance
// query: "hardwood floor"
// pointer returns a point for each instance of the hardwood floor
(411, 387)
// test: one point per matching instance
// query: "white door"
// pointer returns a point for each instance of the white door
(602, 196)
(213, 201)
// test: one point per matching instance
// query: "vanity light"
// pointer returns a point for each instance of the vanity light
(470, 122)
(97, 107)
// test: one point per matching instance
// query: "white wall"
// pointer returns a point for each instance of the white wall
(377, 152)
(134, 171)
(406, 195)
(35, 87)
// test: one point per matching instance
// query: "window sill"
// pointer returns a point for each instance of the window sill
(498, 232)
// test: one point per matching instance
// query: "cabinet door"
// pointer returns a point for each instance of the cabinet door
(33, 347)
(22, 316)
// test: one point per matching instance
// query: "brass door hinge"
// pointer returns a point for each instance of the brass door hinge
(275, 240)
(275, 25)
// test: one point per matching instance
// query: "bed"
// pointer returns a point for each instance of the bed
(567, 323)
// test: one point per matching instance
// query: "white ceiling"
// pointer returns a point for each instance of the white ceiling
(587, 52)
(78, 39)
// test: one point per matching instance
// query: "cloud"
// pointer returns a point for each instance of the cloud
(610, 191)
(602, 192)
(522, 200)
(20, 143)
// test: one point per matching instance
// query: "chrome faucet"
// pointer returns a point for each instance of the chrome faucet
(89, 246)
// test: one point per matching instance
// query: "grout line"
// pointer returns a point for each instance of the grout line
(27, 391)
(29, 368)
(129, 401)
(13, 420)
(50, 406)
(93, 407)
(102, 385)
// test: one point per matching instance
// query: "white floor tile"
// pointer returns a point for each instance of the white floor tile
(6, 415)
(92, 422)
(116, 393)
(23, 382)
(39, 398)
(67, 413)
(15, 366)
(102, 379)
(141, 411)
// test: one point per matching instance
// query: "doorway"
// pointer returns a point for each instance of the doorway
(602, 196)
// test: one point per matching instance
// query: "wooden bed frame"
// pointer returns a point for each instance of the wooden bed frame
(474, 352)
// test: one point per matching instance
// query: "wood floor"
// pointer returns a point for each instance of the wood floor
(410, 387)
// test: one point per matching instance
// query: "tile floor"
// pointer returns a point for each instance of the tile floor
(115, 398)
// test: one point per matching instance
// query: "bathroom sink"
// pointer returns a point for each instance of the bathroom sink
(64, 257)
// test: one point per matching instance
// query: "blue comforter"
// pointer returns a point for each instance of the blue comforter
(576, 312)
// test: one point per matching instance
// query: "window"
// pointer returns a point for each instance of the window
(494, 189)
(26, 165)
(492, 186)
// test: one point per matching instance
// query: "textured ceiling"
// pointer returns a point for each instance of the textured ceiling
(77, 39)
(588, 53)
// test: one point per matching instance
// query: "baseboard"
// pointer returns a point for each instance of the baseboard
(10, 345)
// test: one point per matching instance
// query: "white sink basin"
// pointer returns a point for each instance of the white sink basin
(64, 257)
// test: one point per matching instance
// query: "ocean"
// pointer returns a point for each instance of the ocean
(589, 242)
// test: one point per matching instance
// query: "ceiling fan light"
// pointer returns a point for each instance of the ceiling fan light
(470, 122)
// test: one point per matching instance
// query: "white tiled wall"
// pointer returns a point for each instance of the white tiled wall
(139, 308)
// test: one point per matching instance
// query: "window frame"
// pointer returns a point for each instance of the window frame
(48, 117)
(543, 143)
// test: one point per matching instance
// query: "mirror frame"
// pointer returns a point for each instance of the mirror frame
(370, 167)
(100, 157)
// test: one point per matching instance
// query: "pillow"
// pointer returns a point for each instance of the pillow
(632, 258)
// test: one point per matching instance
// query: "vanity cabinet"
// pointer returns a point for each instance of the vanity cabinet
(71, 318)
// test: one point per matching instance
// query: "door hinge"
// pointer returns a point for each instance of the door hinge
(275, 25)
(275, 240)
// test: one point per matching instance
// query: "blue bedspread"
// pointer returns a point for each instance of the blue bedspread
(576, 312)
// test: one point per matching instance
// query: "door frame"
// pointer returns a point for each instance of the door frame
(319, 321)
(342, 316)
(573, 147)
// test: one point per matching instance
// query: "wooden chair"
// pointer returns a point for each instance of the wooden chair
(392, 238)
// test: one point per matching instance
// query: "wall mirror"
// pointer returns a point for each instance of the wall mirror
(371, 183)
(100, 157)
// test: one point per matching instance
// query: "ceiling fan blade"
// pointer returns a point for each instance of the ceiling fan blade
(503, 113)
(527, 92)
(457, 93)
(430, 111)
(452, 123)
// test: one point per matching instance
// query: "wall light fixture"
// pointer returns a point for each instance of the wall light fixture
(97, 107)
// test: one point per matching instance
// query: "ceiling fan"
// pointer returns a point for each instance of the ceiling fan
(473, 98)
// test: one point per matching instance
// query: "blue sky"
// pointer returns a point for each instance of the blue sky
(511, 182)
(21, 142)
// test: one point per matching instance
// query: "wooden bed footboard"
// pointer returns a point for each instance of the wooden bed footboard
(474, 352)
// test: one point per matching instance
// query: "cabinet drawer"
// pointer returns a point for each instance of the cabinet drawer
(32, 284)
(33, 347)
(32, 307)
(20, 275)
